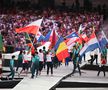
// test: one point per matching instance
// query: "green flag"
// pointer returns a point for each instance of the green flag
(27, 38)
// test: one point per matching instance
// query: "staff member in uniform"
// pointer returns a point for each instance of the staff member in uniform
(12, 68)
(76, 60)
(35, 64)
(20, 59)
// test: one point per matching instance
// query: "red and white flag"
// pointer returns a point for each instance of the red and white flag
(32, 28)
(84, 37)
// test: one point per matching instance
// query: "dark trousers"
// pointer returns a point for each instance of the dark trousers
(66, 63)
(12, 72)
(92, 59)
(25, 66)
(80, 59)
(49, 66)
(96, 58)
(19, 64)
(44, 64)
(76, 66)
(84, 57)
(40, 66)
(102, 68)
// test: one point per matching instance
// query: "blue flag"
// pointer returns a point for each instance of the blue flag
(74, 34)
(61, 39)
(102, 40)
(47, 36)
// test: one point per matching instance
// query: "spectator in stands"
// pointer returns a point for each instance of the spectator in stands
(0, 65)
(12, 68)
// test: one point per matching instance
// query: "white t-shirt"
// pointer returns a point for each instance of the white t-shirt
(41, 56)
(49, 58)
(25, 58)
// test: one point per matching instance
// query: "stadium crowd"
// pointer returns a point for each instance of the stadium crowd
(64, 22)
(61, 21)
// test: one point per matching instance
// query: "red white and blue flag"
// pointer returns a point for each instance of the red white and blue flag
(90, 45)
(39, 37)
(52, 37)
(72, 39)
(84, 37)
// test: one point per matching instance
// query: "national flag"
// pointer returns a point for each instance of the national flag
(102, 39)
(39, 37)
(52, 37)
(84, 37)
(27, 38)
(90, 45)
(70, 42)
(47, 36)
(32, 28)
(72, 39)
(62, 51)
(61, 39)
(72, 35)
